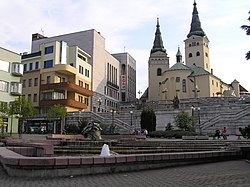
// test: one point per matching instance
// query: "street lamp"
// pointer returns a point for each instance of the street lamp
(112, 127)
(193, 109)
(99, 102)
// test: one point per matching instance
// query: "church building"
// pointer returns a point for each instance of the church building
(190, 79)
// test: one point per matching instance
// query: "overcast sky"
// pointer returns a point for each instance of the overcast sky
(130, 26)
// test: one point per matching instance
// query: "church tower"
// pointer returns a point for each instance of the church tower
(197, 44)
(158, 63)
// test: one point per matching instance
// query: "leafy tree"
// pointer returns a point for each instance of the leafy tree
(22, 109)
(184, 121)
(247, 29)
(148, 119)
(57, 111)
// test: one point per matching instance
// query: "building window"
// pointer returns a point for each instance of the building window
(178, 79)
(217, 84)
(198, 43)
(190, 55)
(48, 63)
(35, 98)
(48, 50)
(80, 98)
(212, 82)
(197, 53)
(81, 70)
(206, 54)
(86, 101)
(31, 66)
(81, 83)
(29, 97)
(159, 72)
(30, 82)
(86, 72)
(37, 65)
(184, 86)
(25, 67)
(48, 79)
(36, 82)
(86, 86)
(24, 83)
(4, 86)
(81, 57)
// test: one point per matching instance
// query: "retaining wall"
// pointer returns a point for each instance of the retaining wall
(23, 166)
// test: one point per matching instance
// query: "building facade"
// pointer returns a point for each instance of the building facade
(11, 70)
(128, 76)
(105, 67)
(191, 79)
(57, 74)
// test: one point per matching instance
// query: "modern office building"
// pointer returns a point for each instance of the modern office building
(11, 70)
(128, 76)
(105, 67)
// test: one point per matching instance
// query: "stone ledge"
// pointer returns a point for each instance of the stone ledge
(19, 165)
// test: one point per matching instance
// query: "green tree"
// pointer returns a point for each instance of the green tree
(57, 111)
(148, 119)
(23, 109)
(247, 29)
(184, 121)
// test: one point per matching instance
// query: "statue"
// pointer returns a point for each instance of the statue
(92, 131)
(176, 102)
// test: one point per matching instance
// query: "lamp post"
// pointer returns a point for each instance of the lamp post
(99, 102)
(112, 127)
(131, 119)
(193, 109)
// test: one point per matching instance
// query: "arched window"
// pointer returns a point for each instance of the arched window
(190, 55)
(184, 86)
(159, 72)
(197, 53)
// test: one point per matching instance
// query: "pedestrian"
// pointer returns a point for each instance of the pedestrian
(224, 133)
(217, 134)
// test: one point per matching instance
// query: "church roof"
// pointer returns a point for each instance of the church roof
(179, 66)
(158, 43)
(196, 24)
(198, 71)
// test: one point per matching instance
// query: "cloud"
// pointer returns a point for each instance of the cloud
(132, 24)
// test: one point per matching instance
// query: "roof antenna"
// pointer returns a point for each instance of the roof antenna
(124, 49)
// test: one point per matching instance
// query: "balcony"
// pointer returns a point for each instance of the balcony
(17, 69)
(62, 86)
(65, 102)
(65, 69)
(15, 88)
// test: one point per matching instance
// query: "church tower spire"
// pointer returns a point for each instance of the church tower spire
(196, 24)
(158, 43)
(178, 56)
(197, 44)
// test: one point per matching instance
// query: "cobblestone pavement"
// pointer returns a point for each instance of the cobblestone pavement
(228, 174)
